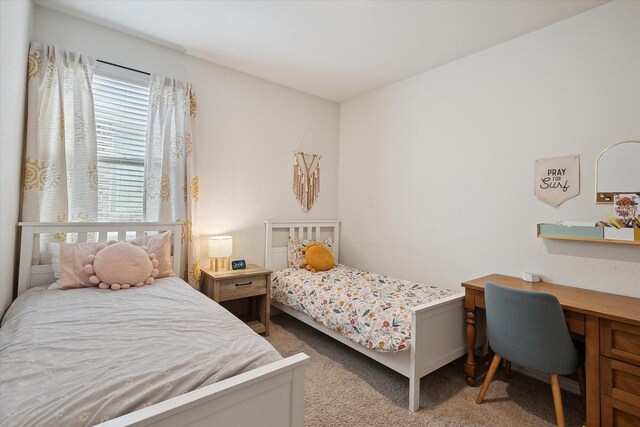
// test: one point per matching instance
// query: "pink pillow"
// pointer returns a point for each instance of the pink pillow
(120, 266)
(68, 261)
(161, 246)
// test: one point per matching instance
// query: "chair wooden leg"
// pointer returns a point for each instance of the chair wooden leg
(557, 399)
(492, 370)
(507, 369)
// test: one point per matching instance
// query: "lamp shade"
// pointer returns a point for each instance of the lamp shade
(220, 246)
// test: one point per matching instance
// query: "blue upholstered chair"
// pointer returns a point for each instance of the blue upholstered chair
(528, 328)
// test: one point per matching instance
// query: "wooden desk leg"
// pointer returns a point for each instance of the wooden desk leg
(592, 368)
(507, 369)
(470, 364)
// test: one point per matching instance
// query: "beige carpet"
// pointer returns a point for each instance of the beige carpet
(345, 388)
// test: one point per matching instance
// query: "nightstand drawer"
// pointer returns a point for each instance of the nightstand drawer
(242, 287)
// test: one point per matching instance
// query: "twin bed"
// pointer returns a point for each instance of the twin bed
(165, 354)
(161, 354)
(411, 328)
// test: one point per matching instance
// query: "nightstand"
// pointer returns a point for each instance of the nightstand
(245, 293)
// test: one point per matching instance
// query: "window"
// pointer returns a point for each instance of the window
(121, 101)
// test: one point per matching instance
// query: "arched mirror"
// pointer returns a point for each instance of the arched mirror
(618, 171)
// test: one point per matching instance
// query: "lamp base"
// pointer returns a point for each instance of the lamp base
(217, 264)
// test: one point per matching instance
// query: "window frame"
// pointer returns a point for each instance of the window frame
(121, 105)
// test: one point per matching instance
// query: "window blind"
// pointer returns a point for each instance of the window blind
(121, 101)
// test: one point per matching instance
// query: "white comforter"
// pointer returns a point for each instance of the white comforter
(82, 356)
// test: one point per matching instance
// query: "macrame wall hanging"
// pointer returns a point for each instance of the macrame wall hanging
(306, 179)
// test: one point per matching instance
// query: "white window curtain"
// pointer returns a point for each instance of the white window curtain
(60, 177)
(171, 182)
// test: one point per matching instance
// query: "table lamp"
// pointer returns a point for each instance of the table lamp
(220, 249)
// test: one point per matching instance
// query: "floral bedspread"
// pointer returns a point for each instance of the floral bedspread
(368, 308)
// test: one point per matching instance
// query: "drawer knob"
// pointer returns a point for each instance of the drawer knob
(243, 284)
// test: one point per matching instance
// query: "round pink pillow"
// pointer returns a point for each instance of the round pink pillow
(121, 265)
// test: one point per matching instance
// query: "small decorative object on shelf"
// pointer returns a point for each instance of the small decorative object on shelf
(626, 208)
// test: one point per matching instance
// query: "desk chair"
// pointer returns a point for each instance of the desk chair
(529, 329)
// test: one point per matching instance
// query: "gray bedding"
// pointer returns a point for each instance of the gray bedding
(79, 357)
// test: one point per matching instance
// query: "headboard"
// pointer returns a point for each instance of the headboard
(31, 274)
(277, 233)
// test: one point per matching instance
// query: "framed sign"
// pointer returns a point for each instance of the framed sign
(557, 179)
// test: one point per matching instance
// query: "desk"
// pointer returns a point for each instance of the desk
(611, 327)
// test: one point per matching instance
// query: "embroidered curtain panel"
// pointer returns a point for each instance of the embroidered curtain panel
(60, 177)
(171, 183)
(60, 169)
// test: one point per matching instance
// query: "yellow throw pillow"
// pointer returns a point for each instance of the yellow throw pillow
(317, 257)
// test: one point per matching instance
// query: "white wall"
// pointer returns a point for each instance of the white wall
(246, 132)
(15, 20)
(436, 172)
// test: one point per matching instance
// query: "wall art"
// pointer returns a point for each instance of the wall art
(306, 179)
(557, 179)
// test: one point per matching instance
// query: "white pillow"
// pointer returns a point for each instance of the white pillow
(54, 250)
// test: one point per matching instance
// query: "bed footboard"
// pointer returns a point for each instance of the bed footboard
(437, 338)
(272, 395)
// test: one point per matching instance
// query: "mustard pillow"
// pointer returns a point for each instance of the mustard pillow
(317, 257)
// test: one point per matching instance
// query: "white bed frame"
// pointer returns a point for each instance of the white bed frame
(437, 328)
(271, 395)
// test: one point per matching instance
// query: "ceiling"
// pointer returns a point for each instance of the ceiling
(332, 49)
